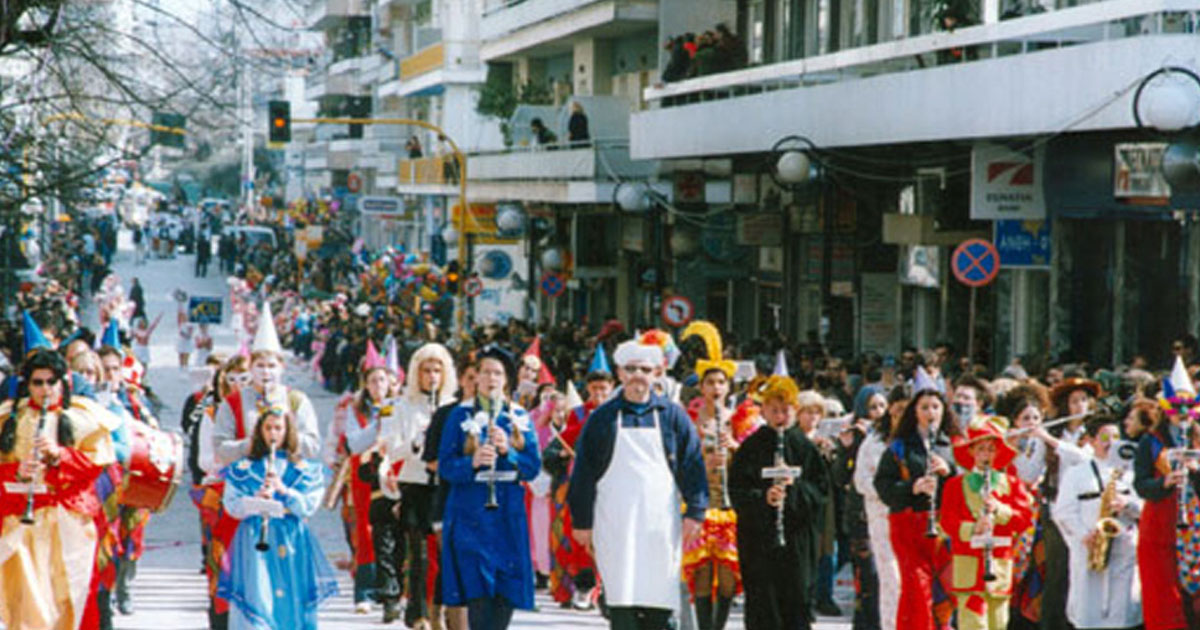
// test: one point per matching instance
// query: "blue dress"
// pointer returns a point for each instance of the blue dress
(283, 586)
(486, 552)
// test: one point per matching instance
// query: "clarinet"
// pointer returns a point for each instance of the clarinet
(988, 576)
(931, 525)
(266, 518)
(1182, 521)
(723, 470)
(780, 537)
(27, 517)
(492, 504)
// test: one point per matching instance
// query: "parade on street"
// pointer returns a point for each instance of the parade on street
(637, 314)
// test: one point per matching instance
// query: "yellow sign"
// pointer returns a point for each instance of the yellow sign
(481, 220)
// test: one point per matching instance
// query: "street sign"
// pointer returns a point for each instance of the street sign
(473, 287)
(975, 262)
(553, 285)
(380, 205)
(1023, 244)
(204, 310)
(677, 311)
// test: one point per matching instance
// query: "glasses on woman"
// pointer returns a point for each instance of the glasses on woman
(43, 382)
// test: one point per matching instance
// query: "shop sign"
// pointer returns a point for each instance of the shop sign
(1137, 171)
(1007, 184)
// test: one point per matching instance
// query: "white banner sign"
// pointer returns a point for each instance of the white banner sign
(1007, 184)
(1138, 171)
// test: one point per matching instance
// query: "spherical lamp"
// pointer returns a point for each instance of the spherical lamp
(793, 167)
(632, 198)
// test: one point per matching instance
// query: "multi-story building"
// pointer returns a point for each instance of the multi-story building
(1011, 121)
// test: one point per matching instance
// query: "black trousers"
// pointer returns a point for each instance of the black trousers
(389, 550)
(416, 507)
(776, 597)
(638, 618)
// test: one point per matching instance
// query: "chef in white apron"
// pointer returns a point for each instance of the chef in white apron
(638, 461)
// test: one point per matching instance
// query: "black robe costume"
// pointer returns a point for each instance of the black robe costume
(777, 581)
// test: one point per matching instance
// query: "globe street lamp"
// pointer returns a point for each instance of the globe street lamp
(791, 165)
(636, 199)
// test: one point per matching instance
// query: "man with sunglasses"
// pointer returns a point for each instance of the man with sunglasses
(636, 457)
(52, 449)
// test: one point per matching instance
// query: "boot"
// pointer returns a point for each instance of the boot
(723, 606)
(704, 613)
(125, 572)
(104, 608)
(391, 611)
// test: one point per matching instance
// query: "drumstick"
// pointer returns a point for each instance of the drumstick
(554, 432)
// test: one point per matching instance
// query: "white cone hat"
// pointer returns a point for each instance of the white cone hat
(265, 338)
(1180, 381)
(573, 398)
(781, 366)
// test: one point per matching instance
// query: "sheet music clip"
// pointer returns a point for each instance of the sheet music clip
(504, 476)
(263, 507)
(20, 487)
(781, 472)
(981, 541)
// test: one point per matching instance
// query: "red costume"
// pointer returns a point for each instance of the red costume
(1162, 599)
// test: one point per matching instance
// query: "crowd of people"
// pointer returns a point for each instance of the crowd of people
(656, 478)
(715, 50)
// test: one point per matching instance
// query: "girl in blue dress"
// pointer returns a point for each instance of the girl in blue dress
(282, 583)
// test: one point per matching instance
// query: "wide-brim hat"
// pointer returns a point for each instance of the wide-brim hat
(989, 427)
(1066, 386)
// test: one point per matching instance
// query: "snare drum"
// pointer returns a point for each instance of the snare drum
(155, 468)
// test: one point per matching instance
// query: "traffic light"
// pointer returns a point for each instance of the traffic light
(452, 277)
(280, 114)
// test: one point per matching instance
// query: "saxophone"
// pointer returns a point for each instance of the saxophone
(1107, 526)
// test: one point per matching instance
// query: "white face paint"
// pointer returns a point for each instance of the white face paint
(267, 372)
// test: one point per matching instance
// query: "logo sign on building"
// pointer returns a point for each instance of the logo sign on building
(677, 311)
(204, 310)
(553, 285)
(975, 263)
(1023, 244)
(1006, 184)
(1137, 171)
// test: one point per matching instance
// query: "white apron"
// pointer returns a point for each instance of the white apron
(638, 525)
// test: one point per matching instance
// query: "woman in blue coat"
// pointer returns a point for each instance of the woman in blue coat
(486, 564)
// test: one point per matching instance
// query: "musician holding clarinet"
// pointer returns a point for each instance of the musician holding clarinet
(637, 457)
(278, 574)
(52, 449)
(710, 561)
(488, 445)
(779, 485)
(908, 481)
(982, 511)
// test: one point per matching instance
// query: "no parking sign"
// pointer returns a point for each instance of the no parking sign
(677, 311)
(975, 262)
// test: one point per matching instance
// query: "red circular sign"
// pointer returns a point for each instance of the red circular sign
(473, 287)
(975, 262)
(354, 183)
(677, 311)
(553, 285)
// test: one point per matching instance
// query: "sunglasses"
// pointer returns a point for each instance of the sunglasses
(644, 369)
(240, 378)
(43, 382)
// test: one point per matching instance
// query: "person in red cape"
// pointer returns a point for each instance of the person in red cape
(52, 449)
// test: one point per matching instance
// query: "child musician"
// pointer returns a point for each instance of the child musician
(278, 573)
(983, 510)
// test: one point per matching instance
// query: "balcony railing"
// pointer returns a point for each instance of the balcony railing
(423, 61)
(1101, 21)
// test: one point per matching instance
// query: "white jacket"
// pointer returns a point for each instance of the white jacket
(403, 433)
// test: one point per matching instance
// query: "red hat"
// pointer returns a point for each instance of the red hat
(988, 427)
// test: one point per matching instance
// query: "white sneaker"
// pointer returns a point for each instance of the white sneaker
(582, 600)
(362, 608)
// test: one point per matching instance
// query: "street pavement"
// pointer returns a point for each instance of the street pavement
(169, 591)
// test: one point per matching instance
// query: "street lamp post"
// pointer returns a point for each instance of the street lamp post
(638, 198)
(791, 168)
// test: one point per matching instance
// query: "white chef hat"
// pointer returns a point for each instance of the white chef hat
(634, 352)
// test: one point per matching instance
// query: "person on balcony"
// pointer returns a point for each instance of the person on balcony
(577, 126)
(541, 135)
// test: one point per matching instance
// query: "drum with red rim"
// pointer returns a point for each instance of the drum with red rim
(155, 468)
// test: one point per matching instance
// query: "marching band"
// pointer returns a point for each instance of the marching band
(956, 513)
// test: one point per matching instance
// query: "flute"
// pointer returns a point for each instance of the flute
(266, 518)
(492, 504)
(723, 469)
(27, 517)
(780, 537)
